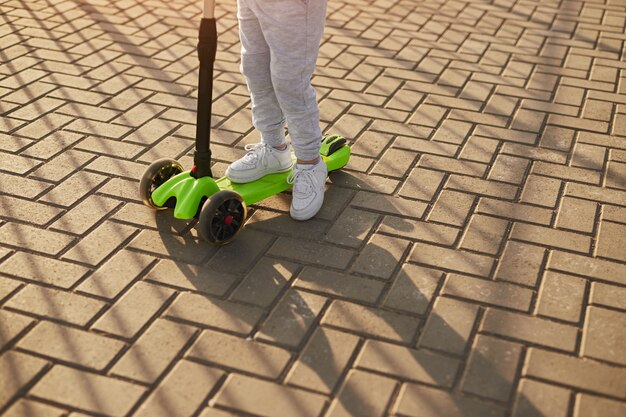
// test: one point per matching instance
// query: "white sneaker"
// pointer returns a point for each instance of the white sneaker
(308, 189)
(261, 159)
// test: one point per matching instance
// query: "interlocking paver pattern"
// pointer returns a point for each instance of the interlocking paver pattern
(469, 261)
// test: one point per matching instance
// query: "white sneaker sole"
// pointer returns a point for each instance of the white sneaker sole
(237, 178)
(307, 213)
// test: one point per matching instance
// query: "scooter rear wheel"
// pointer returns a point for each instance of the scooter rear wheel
(222, 217)
(156, 175)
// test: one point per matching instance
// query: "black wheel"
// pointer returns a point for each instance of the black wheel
(157, 173)
(222, 217)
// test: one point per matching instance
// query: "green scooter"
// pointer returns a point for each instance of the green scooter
(219, 205)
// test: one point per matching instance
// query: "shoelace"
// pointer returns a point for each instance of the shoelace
(305, 187)
(256, 152)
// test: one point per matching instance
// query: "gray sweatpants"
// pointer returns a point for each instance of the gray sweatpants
(280, 42)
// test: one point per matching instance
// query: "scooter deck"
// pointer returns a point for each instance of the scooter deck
(189, 192)
(269, 185)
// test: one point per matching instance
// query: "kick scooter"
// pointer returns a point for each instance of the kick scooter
(219, 205)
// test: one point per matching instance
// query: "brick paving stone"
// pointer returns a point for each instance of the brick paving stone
(449, 326)
(85, 215)
(530, 329)
(388, 204)
(490, 292)
(241, 354)
(614, 213)
(424, 146)
(479, 149)
(561, 296)
(517, 211)
(472, 169)
(611, 241)
(99, 243)
(33, 408)
(87, 391)
(182, 392)
(603, 337)
(413, 289)
(363, 393)
(565, 172)
(267, 398)
(20, 369)
(536, 399)
(576, 372)
(264, 281)
(406, 363)
(291, 319)
(214, 412)
(339, 284)
(451, 259)
(592, 267)
(311, 252)
(183, 249)
(420, 230)
(484, 234)
(608, 295)
(600, 194)
(369, 321)
(246, 249)
(588, 156)
(423, 401)
(481, 187)
(34, 238)
(11, 325)
(577, 214)
(115, 275)
(27, 211)
(394, 163)
(140, 215)
(42, 269)
(508, 169)
(352, 227)
(73, 189)
(380, 256)
(542, 191)
(590, 405)
(62, 165)
(551, 237)
(323, 360)
(55, 304)
(421, 184)
(491, 368)
(146, 360)
(8, 285)
(17, 164)
(131, 312)
(278, 223)
(71, 345)
(21, 186)
(188, 276)
(451, 208)
(615, 177)
(237, 318)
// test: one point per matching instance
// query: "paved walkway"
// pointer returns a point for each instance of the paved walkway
(470, 260)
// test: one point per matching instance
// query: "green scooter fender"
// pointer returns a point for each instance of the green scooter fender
(188, 192)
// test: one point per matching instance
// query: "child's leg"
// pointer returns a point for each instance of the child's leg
(267, 116)
(293, 30)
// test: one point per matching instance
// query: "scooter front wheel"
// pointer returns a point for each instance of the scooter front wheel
(156, 175)
(222, 217)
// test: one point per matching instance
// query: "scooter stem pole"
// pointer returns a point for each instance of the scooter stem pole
(207, 49)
